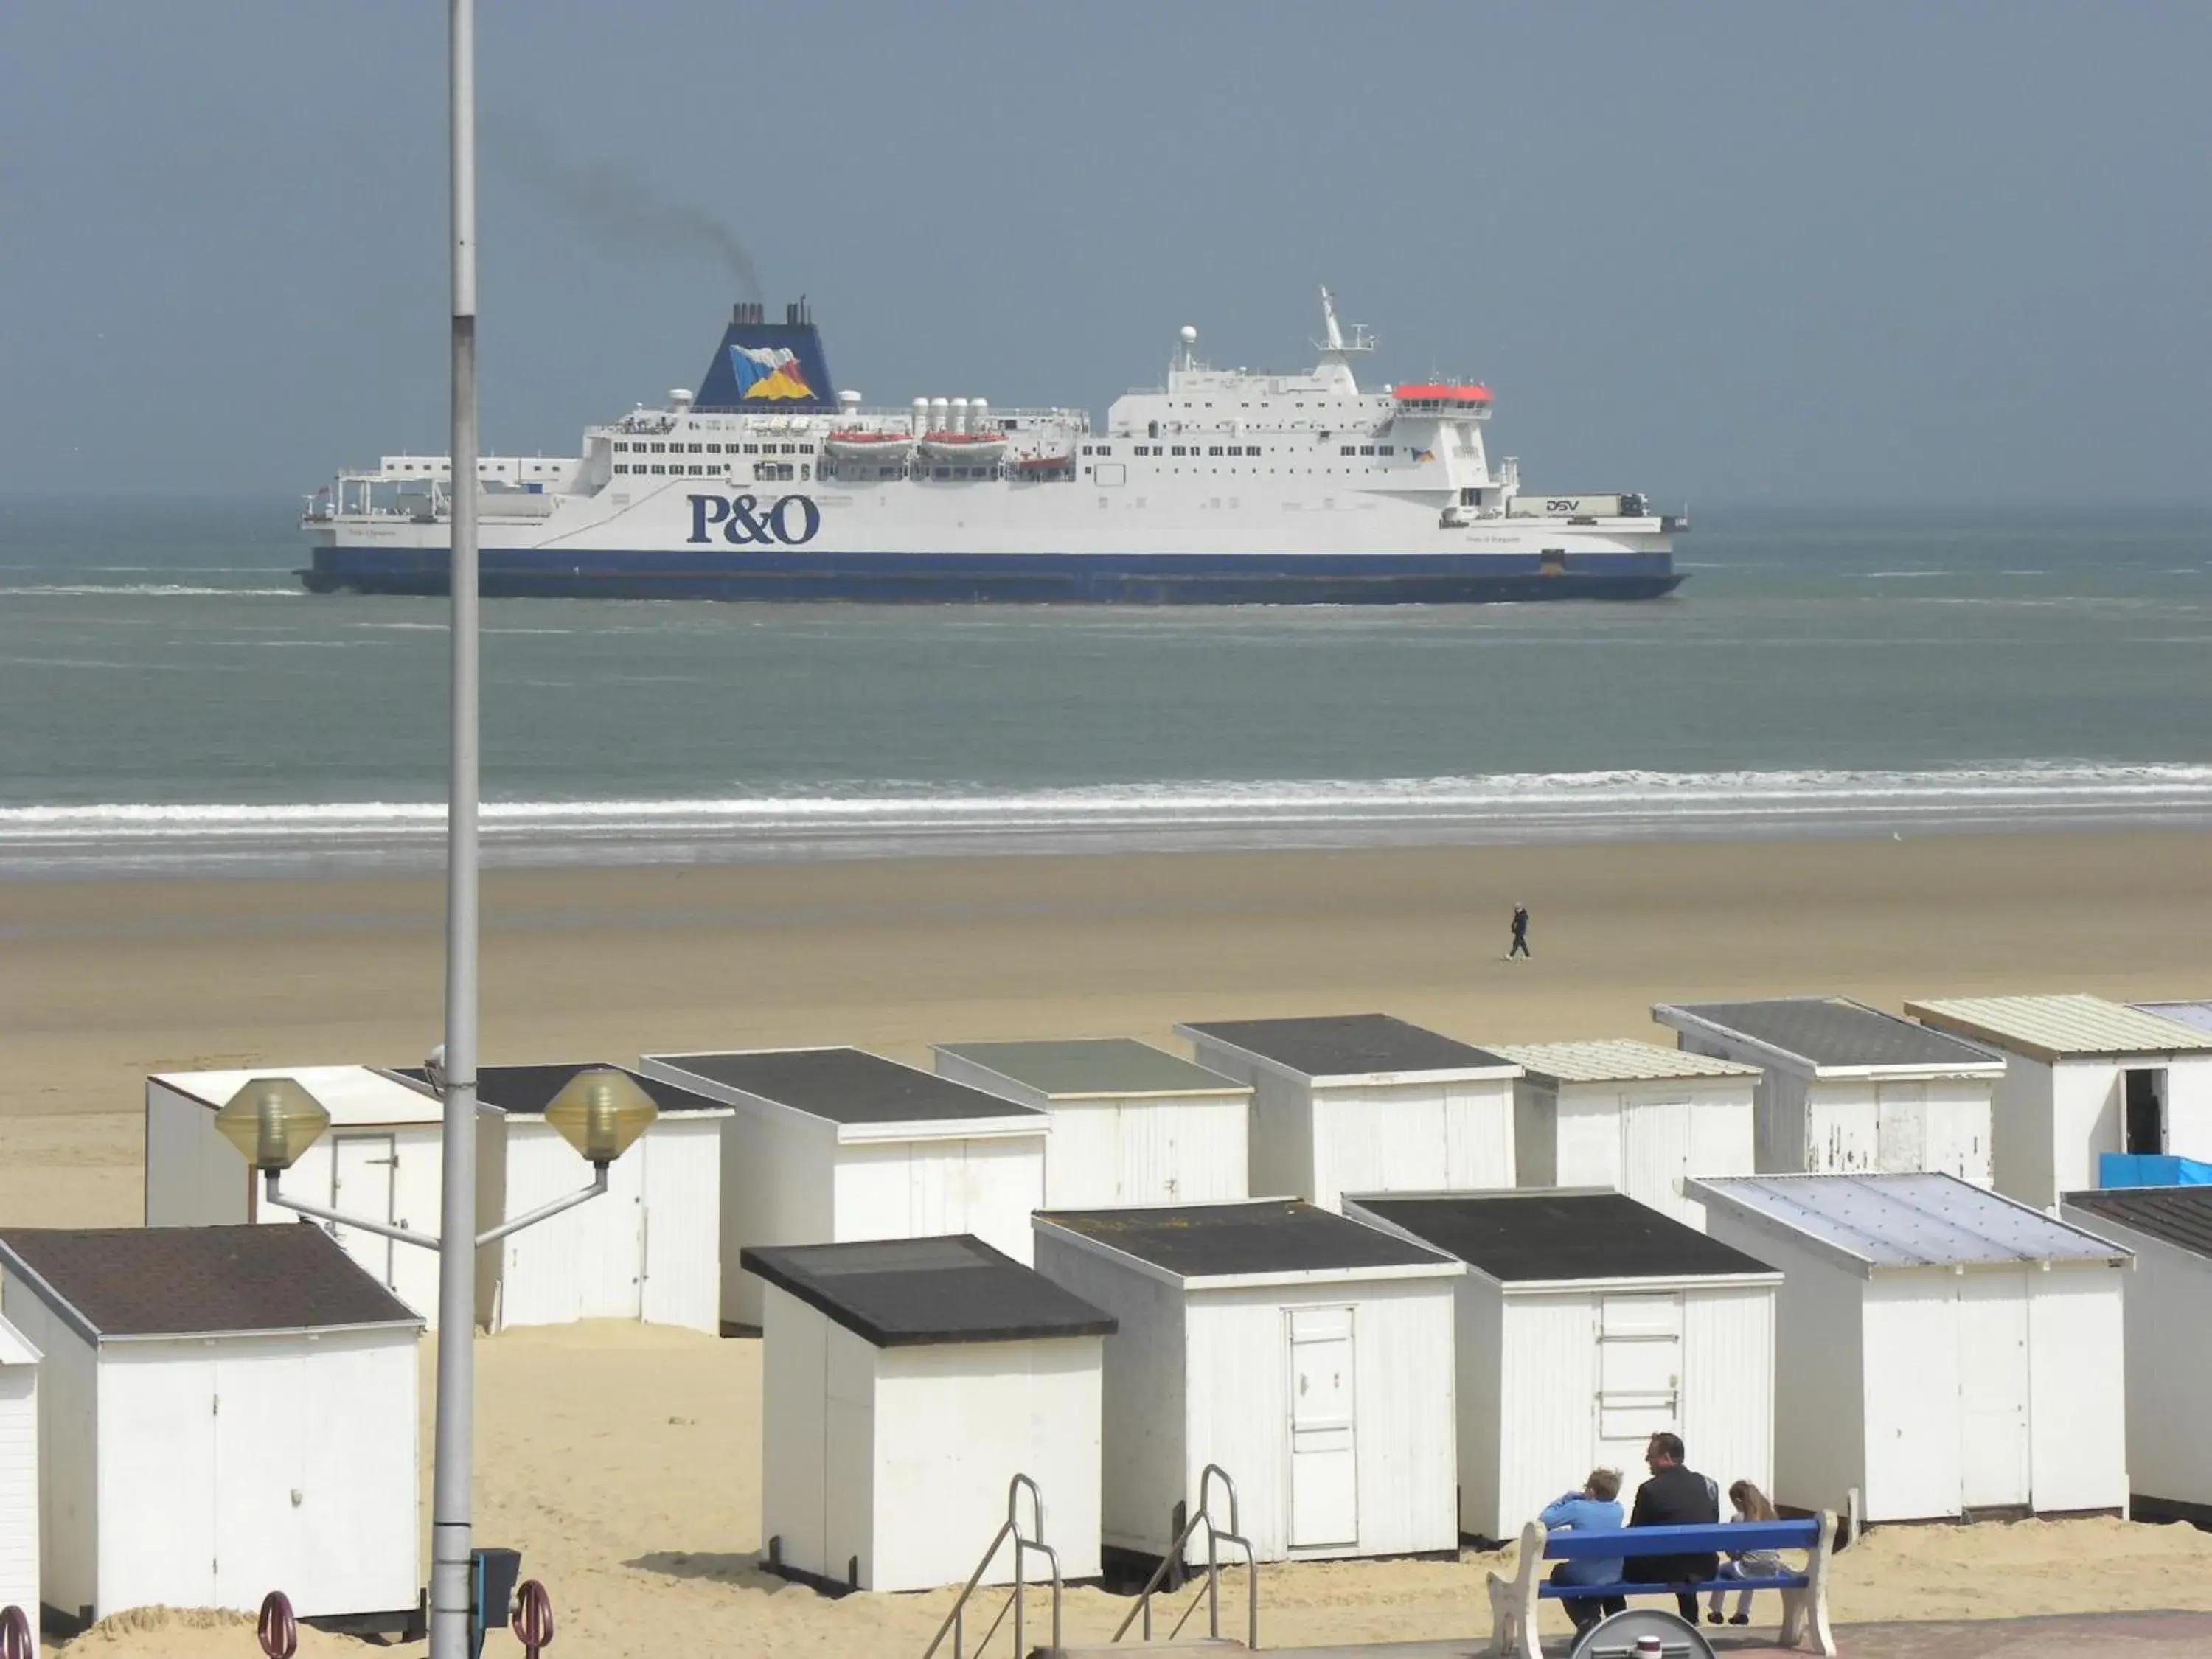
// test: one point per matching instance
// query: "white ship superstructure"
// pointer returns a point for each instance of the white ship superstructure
(1220, 486)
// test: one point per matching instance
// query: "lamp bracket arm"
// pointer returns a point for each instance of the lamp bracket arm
(529, 1218)
(427, 1241)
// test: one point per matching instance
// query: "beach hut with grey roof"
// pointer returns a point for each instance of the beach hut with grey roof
(835, 1145)
(905, 1382)
(1364, 1104)
(1131, 1124)
(1308, 1355)
(19, 1473)
(2169, 1340)
(2083, 1077)
(224, 1411)
(1847, 1089)
(1637, 1117)
(1942, 1350)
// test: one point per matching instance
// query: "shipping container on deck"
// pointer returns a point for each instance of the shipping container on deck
(1364, 1104)
(1587, 1323)
(1637, 1117)
(382, 1158)
(1845, 1088)
(831, 1146)
(1131, 1124)
(1944, 1351)
(2169, 1340)
(19, 1474)
(1309, 1355)
(650, 1248)
(905, 1384)
(224, 1411)
(2083, 1077)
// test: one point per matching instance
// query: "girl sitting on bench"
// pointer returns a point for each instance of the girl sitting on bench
(1750, 1504)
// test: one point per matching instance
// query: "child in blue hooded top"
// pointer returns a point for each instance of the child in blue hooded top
(1593, 1508)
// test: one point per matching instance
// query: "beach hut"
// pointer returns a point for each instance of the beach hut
(1939, 1348)
(1586, 1324)
(2169, 1340)
(224, 1411)
(1131, 1125)
(382, 1157)
(1364, 1104)
(19, 1473)
(905, 1384)
(1845, 1088)
(1308, 1355)
(830, 1146)
(1634, 1116)
(650, 1248)
(2083, 1077)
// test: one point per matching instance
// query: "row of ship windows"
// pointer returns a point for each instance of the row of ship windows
(715, 449)
(680, 469)
(1227, 449)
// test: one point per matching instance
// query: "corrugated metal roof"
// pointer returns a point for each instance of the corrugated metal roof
(1834, 1032)
(1906, 1221)
(2057, 1027)
(15, 1348)
(2197, 1016)
(1616, 1060)
(2180, 1216)
(1347, 1045)
(352, 1095)
(1119, 1067)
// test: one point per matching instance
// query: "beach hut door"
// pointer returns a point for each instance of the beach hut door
(1324, 1471)
(1639, 1371)
(1993, 1448)
(362, 1184)
(1655, 1152)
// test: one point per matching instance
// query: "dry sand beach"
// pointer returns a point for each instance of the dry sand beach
(623, 1460)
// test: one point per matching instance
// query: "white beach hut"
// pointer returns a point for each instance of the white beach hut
(19, 1473)
(905, 1384)
(1587, 1323)
(1634, 1116)
(1308, 1355)
(2083, 1077)
(1847, 1088)
(1942, 1349)
(224, 1411)
(1364, 1104)
(382, 1157)
(1131, 1124)
(649, 1249)
(829, 1145)
(2169, 1340)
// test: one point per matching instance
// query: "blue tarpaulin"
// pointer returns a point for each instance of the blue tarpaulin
(2143, 1170)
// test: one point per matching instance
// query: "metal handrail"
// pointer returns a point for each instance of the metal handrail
(955, 1621)
(1211, 1594)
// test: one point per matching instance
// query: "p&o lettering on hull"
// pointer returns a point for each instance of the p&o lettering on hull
(788, 521)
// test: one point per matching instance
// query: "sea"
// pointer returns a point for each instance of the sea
(171, 703)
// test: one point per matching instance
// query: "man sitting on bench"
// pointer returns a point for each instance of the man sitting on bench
(1673, 1497)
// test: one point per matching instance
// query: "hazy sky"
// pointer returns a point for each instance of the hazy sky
(1762, 252)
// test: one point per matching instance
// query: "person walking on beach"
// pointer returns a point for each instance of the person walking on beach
(1593, 1508)
(1750, 1504)
(1673, 1497)
(1519, 947)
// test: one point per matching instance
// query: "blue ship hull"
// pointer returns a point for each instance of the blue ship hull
(1004, 578)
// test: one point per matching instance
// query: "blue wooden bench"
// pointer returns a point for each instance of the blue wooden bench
(1804, 1595)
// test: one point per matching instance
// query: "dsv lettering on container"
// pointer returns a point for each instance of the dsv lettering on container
(792, 520)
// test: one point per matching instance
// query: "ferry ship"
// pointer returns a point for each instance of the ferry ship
(1220, 487)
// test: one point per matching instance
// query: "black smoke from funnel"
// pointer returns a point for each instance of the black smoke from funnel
(613, 207)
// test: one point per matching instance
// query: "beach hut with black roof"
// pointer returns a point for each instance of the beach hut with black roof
(19, 1473)
(1308, 1355)
(1131, 1124)
(1637, 1117)
(905, 1384)
(651, 1248)
(833, 1146)
(1364, 1104)
(1588, 1323)
(2169, 1340)
(1942, 1350)
(224, 1411)
(2083, 1078)
(1847, 1089)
